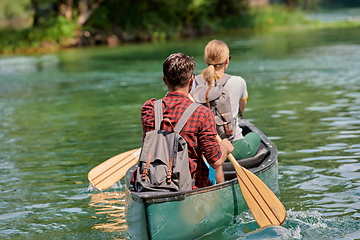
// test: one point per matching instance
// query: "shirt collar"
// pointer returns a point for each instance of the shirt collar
(175, 94)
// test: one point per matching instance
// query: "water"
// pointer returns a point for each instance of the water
(342, 14)
(63, 114)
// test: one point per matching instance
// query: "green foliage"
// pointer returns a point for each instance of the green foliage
(276, 16)
(140, 16)
(139, 20)
(55, 33)
(11, 11)
(59, 29)
(169, 18)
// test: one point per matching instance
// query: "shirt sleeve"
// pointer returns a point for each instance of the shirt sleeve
(244, 93)
(208, 144)
(147, 116)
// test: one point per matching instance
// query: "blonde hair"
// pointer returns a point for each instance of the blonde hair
(215, 55)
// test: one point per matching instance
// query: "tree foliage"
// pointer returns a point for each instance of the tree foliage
(78, 10)
(89, 22)
(14, 13)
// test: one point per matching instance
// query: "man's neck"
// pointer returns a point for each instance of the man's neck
(184, 90)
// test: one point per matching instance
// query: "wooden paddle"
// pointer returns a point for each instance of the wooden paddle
(262, 202)
(112, 170)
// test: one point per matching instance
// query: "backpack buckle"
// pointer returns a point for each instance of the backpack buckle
(145, 173)
(168, 176)
(227, 130)
(146, 168)
(169, 171)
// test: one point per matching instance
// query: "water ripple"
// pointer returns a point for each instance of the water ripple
(15, 215)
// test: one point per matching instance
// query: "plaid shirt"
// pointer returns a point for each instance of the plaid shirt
(199, 132)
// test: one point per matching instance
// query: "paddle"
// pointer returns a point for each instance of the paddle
(262, 202)
(112, 170)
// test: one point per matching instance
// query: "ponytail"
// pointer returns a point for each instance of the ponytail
(208, 74)
(215, 54)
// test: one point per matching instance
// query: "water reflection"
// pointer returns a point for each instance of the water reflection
(27, 64)
(109, 210)
(347, 14)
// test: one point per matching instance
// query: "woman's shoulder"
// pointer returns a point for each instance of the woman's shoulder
(236, 78)
(236, 81)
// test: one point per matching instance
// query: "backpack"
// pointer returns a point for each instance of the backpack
(163, 162)
(218, 100)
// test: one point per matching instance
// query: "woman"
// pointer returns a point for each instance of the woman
(216, 56)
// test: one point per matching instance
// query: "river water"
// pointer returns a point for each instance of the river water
(63, 114)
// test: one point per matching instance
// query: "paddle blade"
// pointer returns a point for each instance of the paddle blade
(112, 170)
(262, 202)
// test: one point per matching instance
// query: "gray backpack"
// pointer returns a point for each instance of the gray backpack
(163, 163)
(218, 100)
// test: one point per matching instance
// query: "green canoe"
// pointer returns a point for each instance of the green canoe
(191, 214)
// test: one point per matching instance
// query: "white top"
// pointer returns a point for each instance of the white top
(236, 87)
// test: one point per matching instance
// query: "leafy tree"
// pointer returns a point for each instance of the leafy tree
(12, 12)
(77, 10)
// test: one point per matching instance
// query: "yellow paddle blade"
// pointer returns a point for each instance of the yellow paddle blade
(112, 170)
(262, 202)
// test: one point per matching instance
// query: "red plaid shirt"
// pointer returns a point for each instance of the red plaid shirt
(199, 132)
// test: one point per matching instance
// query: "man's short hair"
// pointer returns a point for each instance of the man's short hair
(177, 69)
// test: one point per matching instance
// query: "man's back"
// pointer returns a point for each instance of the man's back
(199, 132)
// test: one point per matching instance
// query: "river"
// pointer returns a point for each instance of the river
(63, 114)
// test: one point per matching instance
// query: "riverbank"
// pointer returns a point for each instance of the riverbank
(63, 33)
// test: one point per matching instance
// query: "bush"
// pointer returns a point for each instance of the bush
(54, 34)
(276, 16)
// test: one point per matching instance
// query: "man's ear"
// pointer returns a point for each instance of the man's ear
(163, 78)
(191, 81)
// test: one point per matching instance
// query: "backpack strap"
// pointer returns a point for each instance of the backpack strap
(185, 116)
(223, 80)
(199, 80)
(158, 113)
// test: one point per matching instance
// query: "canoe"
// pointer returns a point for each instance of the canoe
(191, 214)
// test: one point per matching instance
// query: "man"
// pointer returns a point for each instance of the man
(199, 131)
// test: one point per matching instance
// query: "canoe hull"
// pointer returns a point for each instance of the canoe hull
(192, 217)
(191, 214)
